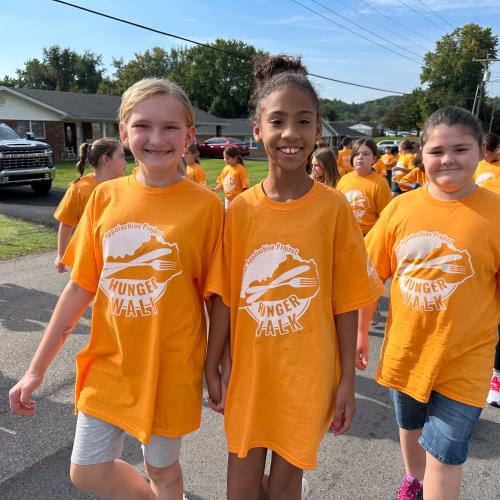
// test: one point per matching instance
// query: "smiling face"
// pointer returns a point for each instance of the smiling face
(157, 133)
(317, 168)
(450, 157)
(363, 160)
(288, 127)
(230, 160)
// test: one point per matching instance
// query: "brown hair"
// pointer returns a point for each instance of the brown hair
(148, 87)
(93, 153)
(453, 116)
(193, 149)
(364, 141)
(346, 141)
(329, 163)
(406, 145)
(234, 152)
(273, 72)
(491, 142)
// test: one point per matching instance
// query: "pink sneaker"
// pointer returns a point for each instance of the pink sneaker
(410, 490)
(494, 395)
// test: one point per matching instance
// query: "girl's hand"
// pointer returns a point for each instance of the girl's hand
(345, 406)
(59, 265)
(214, 390)
(20, 395)
(362, 352)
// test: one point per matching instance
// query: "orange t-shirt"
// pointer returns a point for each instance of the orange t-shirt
(234, 180)
(492, 184)
(380, 167)
(405, 160)
(486, 170)
(368, 196)
(416, 175)
(145, 253)
(389, 160)
(71, 207)
(344, 160)
(196, 173)
(444, 260)
(284, 282)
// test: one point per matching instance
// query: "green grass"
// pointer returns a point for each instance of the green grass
(18, 238)
(257, 170)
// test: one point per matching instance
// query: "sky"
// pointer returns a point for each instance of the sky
(329, 35)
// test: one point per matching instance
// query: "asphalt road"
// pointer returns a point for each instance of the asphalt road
(22, 203)
(34, 452)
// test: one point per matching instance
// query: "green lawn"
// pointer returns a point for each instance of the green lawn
(18, 238)
(257, 170)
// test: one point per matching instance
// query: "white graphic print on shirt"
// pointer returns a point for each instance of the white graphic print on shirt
(358, 201)
(277, 288)
(429, 269)
(485, 176)
(228, 184)
(138, 264)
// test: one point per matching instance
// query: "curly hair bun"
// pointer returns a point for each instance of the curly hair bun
(267, 67)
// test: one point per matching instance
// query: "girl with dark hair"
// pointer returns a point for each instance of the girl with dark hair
(489, 166)
(295, 273)
(107, 159)
(233, 177)
(194, 171)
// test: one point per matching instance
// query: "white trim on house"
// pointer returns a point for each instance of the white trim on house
(9, 90)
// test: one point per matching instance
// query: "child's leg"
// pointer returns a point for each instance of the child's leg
(445, 438)
(95, 466)
(284, 481)
(244, 475)
(161, 460)
(494, 393)
(442, 481)
(410, 416)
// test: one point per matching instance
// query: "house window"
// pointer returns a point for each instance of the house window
(35, 128)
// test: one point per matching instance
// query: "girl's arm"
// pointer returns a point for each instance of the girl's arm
(63, 236)
(363, 342)
(346, 325)
(217, 353)
(217, 188)
(70, 306)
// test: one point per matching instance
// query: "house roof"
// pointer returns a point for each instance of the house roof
(79, 105)
(342, 130)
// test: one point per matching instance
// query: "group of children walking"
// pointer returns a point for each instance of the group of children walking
(289, 286)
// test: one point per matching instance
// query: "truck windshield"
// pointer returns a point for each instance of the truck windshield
(7, 134)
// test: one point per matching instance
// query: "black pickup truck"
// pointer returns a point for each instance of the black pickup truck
(24, 161)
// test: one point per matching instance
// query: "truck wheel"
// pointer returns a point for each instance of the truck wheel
(41, 187)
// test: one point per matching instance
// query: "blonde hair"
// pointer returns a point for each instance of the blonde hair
(327, 159)
(148, 87)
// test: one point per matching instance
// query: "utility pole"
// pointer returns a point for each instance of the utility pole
(476, 107)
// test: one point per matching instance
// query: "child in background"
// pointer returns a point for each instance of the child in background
(233, 177)
(293, 290)
(489, 166)
(324, 167)
(403, 165)
(416, 177)
(194, 171)
(142, 250)
(366, 191)
(344, 158)
(389, 160)
(440, 244)
(107, 159)
(380, 167)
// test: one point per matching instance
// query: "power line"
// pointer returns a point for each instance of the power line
(435, 13)
(420, 14)
(365, 29)
(370, 6)
(219, 49)
(353, 32)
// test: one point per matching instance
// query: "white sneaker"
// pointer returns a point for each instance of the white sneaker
(306, 490)
(494, 395)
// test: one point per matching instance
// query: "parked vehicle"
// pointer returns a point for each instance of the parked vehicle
(24, 161)
(403, 133)
(215, 146)
(388, 142)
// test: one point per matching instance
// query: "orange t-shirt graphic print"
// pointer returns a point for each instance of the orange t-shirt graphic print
(138, 264)
(430, 268)
(277, 287)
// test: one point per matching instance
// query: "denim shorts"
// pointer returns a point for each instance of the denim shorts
(97, 441)
(446, 424)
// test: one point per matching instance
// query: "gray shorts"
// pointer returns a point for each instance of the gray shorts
(97, 442)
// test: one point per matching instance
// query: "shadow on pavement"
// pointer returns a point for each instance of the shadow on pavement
(25, 196)
(23, 309)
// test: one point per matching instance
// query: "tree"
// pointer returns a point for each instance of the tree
(62, 69)
(450, 72)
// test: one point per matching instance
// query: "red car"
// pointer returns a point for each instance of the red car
(215, 146)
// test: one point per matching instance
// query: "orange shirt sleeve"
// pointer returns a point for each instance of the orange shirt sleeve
(244, 177)
(68, 209)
